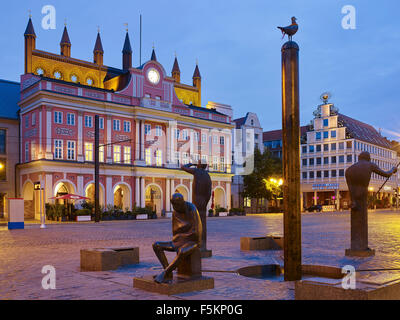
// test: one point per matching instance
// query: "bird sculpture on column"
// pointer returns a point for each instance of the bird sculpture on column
(290, 30)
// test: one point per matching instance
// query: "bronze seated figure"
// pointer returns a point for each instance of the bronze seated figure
(186, 241)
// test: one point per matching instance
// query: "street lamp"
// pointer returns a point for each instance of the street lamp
(37, 186)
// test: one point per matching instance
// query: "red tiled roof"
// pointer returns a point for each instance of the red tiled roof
(364, 132)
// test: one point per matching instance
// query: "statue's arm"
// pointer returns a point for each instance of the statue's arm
(382, 173)
(188, 168)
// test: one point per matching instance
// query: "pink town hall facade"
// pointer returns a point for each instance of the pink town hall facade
(150, 124)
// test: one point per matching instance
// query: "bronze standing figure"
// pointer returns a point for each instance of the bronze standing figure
(357, 178)
(186, 232)
(202, 186)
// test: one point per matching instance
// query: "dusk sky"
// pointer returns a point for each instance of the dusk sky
(238, 47)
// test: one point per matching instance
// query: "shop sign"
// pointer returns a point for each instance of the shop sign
(325, 186)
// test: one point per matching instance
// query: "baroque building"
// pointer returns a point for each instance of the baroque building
(150, 124)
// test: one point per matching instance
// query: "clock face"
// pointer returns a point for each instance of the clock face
(153, 76)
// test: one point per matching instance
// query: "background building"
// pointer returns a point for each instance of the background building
(150, 124)
(272, 140)
(248, 135)
(332, 144)
(9, 141)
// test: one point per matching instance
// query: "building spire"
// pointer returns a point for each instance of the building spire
(127, 44)
(65, 43)
(98, 47)
(197, 81)
(30, 31)
(65, 36)
(196, 73)
(127, 52)
(176, 72)
(153, 54)
(98, 50)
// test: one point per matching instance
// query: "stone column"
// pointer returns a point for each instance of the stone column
(109, 191)
(49, 140)
(168, 194)
(137, 191)
(228, 195)
(48, 192)
(291, 161)
(80, 156)
(40, 156)
(137, 140)
(108, 151)
(142, 140)
(80, 186)
(142, 193)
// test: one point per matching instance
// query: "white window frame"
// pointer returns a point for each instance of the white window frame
(71, 150)
(101, 123)
(158, 131)
(127, 155)
(117, 154)
(177, 133)
(116, 125)
(147, 157)
(33, 150)
(101, 153)
(177, 158)
(27, 151)
(147, 129)
(71, 119)
(185, 134)
(58, 149)
(88, 121)
(127, 126)
(158, 158)
(89, 151)
(58, 117)
(33, 119)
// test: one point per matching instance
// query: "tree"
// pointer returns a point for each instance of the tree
(265, 167)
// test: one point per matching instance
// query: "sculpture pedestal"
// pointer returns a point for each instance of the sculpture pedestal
(176, 286)
(360, 253)
(261, 243)
(103, 259)
(190, 266)
(331, 289)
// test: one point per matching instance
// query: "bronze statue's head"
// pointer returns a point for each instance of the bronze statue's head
(178, 203)
(364, 156)
(202, 164)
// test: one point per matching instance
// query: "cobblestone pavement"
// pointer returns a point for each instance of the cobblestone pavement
(325, 236)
